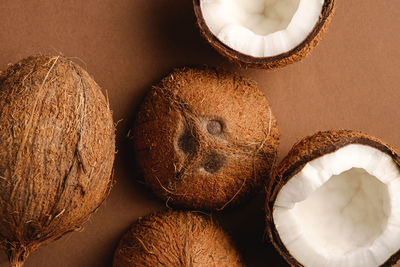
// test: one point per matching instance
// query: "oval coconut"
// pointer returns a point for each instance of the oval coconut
(312, 149)
(176, 238)
(300, 50)
(57, 150)
(205, 138)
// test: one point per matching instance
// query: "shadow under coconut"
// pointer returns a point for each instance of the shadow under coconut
(246, 226)
(178, 38)
(126, 155)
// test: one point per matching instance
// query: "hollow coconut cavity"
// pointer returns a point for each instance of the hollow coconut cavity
(57, 143)
(263, 33)
(205, 138)
(335, 202)
(176, 238)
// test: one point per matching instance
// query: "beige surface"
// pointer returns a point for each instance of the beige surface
(351, 80)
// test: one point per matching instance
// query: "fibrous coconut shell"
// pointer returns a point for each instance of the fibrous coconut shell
(304, 151)
(176, 238)
(205, 138)
(56, 152)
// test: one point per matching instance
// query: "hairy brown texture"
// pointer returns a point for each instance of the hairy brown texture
(205, 138)
(176, 238)
(278, 61)
(56, 152)
(306, 150)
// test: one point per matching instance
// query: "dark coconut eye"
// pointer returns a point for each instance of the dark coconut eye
(187, 142)
(213, 162)
(214, 127)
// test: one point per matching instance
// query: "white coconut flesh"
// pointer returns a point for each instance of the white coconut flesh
(342, 209)
(261, 28)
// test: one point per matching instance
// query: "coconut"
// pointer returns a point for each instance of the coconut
(205, 138)
(263, 33)
(56, 152)
(176, 238)
(334, 202)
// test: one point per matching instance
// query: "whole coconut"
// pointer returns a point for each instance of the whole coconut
(57, 143)
(205, 138)
(176, 238)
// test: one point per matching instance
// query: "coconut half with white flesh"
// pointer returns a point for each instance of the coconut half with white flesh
(263, 33)
(335, 202)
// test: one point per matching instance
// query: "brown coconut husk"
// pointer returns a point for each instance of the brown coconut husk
(305, 150)
(57, 143)
(205, 138)
(279, 61)
(176, 238)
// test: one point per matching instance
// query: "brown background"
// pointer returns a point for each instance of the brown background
(351, 80)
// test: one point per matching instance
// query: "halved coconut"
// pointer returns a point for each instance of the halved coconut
(263, 33)
(335, 202)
